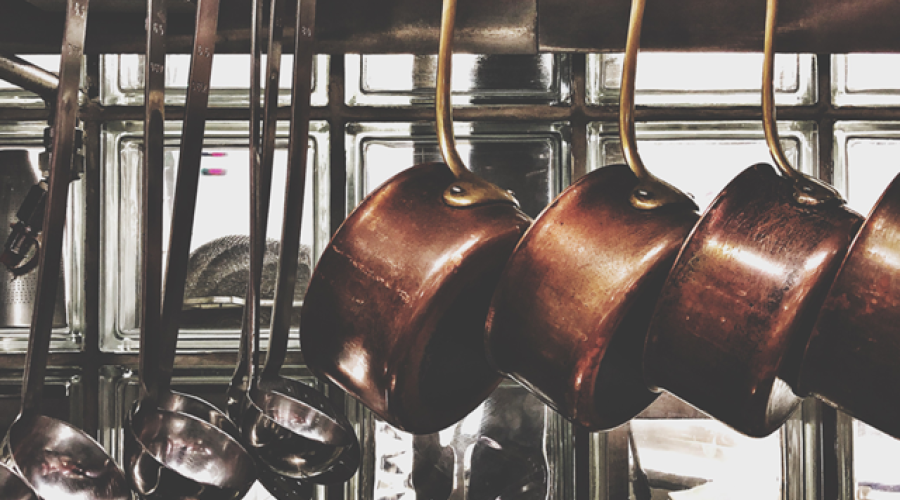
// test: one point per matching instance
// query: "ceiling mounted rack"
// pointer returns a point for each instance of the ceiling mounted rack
(496, 27)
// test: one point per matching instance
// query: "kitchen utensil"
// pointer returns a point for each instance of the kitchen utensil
(851, 358)
(738, 305)
(396, 306)
(13, 487)
(176, 446)
(291, 428)
(58, 460)
(17, 292)
(569, 317)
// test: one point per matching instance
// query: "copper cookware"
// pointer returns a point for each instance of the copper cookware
(395, 309)
(739, 303)
(570, 314)
(851, 358)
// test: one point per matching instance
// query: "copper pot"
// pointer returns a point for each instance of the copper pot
(738, 305)
(851, 358)
(395, 310)
(570, 314)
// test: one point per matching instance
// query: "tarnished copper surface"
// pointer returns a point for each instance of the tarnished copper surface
(852, 357)
(395, 309)
(569, 317)
(740, 301)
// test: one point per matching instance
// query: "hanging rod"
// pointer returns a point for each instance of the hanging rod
(487, 27)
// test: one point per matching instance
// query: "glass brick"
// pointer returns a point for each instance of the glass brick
(14, 334)
(213, 306)
(406, 79)
(864, 165)
(700, 158)
(531, 160)
(122, 78)
(865, 80)
(702, 79)
(678, 452)
(511, 446)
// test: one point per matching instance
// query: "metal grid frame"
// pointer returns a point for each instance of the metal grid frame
(577, 113)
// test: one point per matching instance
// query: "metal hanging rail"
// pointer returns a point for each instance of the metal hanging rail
(496, 27)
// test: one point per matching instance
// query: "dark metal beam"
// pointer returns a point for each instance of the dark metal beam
(488, 27)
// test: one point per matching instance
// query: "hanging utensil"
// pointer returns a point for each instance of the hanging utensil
(177, 446)
(58, 460)
(569, 317)
(261, 160)
(396, 306)
(738, 306)
(291, 428)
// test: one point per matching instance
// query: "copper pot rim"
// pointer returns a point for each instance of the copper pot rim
(781, 399)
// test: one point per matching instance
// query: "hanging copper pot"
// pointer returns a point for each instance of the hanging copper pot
(395, 310)
(851, 358)
(738, 305)
(569, 317)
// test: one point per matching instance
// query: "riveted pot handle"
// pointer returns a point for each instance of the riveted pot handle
(469, 189)
(651, 192)
(807, 191)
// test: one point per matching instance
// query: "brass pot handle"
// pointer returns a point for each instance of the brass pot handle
(807, 190)
(469, 189)
(651, 192)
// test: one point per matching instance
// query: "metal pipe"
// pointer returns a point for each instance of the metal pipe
(20, 72)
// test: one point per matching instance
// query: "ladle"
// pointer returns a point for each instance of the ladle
(395, 309)
(290, 427)
(292, 431)
(738, 306)
(569, 317)
(59, 461)
(176, 446)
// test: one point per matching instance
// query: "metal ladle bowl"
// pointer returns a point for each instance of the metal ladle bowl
(13, 487)
(182, 457)
(61, 461)
(291, 429)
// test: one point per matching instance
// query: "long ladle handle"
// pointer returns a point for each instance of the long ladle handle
(187, 181)
(152, 195)
(469, 189)
(651, 192)
(807, 191)
(261, 161)
(295, 188)
(55, 211)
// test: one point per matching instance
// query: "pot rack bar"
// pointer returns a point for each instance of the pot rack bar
(487, 27)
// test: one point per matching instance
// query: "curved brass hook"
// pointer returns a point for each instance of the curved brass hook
(807, 191)
(651, 192)
(469, 189)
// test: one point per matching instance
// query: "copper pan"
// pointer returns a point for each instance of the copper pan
(851, 358)
(569, 317)
(395, 310)
(738, 305)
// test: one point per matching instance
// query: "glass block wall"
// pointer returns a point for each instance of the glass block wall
(532, 124)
